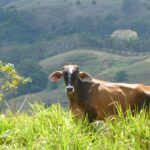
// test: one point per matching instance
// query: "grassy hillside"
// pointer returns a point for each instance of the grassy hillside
(55, 128)
(102, 65)
(138, 72)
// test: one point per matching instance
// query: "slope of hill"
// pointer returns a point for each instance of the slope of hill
(99, 64)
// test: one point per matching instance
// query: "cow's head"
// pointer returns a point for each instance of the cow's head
(71, 75)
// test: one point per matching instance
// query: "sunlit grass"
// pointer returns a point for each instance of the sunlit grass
(54, 128)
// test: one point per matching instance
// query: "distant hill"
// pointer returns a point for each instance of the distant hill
(102, 65)
(49, 13)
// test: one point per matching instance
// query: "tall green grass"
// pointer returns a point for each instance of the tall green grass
(55, 129)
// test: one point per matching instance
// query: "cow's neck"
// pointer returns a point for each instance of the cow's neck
(80, 101)
(81, 95)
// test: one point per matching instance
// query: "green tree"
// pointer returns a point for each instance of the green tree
(121, 76)
(10, 80)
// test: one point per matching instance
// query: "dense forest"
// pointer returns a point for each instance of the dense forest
(35, 30)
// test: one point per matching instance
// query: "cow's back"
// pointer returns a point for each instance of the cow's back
(105, 97)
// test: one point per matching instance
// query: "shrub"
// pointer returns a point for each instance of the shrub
(125, 34)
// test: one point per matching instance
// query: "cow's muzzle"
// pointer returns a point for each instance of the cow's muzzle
(69, 89)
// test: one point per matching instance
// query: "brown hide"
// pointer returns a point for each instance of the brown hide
(98, 99)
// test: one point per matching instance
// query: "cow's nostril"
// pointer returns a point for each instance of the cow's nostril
(70, 89)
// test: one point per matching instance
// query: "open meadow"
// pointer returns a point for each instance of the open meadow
(55, 128)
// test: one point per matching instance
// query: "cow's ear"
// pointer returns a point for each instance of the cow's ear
(85, 76)
(55, 76)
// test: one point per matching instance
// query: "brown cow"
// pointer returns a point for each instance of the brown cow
(98, 98)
